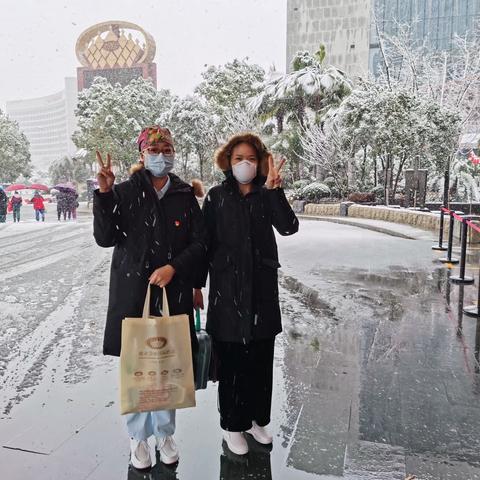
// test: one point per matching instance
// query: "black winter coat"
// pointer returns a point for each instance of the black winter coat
(71, 199)
(148, 233)
(3, 202)
(62, 201)
(243, 260)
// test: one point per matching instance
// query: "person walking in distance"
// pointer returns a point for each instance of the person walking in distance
(39, 206)
(71, 199)
(16, 203)
(3, 205)
(61, 206)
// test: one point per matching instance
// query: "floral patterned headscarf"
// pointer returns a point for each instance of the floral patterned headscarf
(153, 136)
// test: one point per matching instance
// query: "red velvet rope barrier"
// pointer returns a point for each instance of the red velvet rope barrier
(473, 226)
(458, 217)
(461, 219)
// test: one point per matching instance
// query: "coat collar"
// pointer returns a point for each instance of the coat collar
(143, 179)
(231, 183)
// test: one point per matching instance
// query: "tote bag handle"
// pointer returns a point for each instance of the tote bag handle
(146, 306)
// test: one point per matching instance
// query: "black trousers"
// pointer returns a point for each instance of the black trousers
(245, 376)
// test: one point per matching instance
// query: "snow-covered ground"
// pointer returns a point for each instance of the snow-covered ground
(53, 284)
(372, 379)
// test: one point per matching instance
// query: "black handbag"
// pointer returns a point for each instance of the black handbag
(204, 355)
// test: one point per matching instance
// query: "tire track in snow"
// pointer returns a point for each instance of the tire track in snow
(45, 242)
(25, 237)
(31, 346)
(56, 355)
(20, 268)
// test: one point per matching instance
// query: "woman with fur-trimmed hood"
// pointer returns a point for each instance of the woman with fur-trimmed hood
(155, 225)
(243, 308)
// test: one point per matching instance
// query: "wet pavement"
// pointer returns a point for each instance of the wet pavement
(376, 372)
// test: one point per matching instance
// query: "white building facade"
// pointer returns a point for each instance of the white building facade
(48, 123)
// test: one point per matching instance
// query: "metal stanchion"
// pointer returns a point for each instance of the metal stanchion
(440, 246)
(461, 297)
(448, 258)
(461, 278)
(477, 347)
(474, 310)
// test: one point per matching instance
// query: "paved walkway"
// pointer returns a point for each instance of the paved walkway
(376, 372)
(389, 228)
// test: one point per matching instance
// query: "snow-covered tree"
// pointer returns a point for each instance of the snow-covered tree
(328, 153)
(313, 85)
(443, 79)
(464, 181)
(386, 129)
(110, 117)
(449, 78)
(226, 90)
(229, 86)
(14, 151)
(67, 169)
(288, 144)
(240, 120)
(296, 101)
(193, 125)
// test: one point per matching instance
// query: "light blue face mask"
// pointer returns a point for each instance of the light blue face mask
(159, 164)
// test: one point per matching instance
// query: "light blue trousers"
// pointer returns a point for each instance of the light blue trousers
(160, 423)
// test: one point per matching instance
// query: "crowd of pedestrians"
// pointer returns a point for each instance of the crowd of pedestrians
(67, 204)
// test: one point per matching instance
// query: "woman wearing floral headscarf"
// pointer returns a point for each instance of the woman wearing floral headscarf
(155, 224)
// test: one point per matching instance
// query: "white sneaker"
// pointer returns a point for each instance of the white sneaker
(140, 454)
(236, 442)
(260, 434)
(168, 450)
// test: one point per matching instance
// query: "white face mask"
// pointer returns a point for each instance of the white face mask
(244, 171)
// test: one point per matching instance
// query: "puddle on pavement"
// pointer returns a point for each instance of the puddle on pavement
(416, 362)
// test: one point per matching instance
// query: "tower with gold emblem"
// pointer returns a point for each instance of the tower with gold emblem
(118, 51)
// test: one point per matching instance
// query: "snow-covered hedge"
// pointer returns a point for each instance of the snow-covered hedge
(315, 191)
(309, 190)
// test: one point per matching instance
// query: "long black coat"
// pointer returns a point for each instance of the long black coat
(3, 202)
(148, 233)
(61, 201)
(243, 260)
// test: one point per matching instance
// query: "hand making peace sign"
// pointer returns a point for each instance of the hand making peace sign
(105, 176)
(274, 180)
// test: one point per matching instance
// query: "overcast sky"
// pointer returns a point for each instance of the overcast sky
(37, 38)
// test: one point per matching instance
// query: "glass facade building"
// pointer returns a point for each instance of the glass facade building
(436, 22)
(347, 27)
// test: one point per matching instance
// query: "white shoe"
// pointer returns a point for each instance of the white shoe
(140, 454)
(236, 442)
(168, 450)
(260, 434)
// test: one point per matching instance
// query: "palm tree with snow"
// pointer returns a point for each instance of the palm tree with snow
(311, 85)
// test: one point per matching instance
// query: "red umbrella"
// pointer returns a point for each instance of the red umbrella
(16, 186)
(39, 186)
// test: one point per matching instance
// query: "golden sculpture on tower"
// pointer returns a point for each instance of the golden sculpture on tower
(118, 51)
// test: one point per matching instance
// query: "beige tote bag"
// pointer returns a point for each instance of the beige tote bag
(156, 369)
